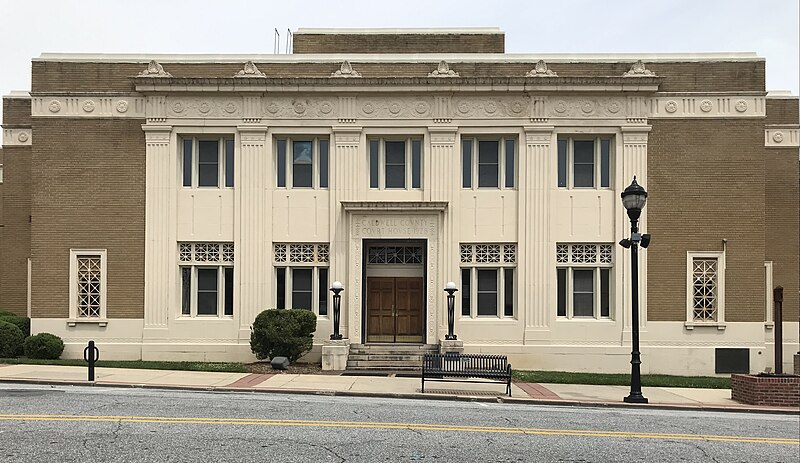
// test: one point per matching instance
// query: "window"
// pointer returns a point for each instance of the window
(207, 162)
(87, 284)
(488, 163)
(302, 162)
(395, 163)
(301, 276)
(583, 280)
(584, 162)
(206, 279)
(1, 174)
(487, 277)
(705, 289)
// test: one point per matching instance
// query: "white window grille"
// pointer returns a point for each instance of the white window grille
(488, 253)
(705, 289)
(88, 290)
(301, 276)
(488, 274)
(206, 279)
(301, 253)
(205, 252)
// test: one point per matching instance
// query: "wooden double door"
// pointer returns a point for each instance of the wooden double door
(395, 309)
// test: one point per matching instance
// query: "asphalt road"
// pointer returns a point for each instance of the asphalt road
(47, 424)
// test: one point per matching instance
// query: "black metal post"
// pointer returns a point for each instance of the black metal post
(91, 354)
(635, 395)
(337, 303)
(777, 297)
(451, 302)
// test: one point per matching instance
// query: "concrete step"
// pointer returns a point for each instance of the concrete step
(386, 357)
(383, 364)
(382, 368)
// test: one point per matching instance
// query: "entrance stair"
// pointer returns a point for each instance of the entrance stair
(388, 358)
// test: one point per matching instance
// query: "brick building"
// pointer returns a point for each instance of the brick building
(156, 204)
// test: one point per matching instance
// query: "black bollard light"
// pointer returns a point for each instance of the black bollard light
(450, 289)
(336, 288)
(91, 353)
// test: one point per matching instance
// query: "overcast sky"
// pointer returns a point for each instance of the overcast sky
(767, 27)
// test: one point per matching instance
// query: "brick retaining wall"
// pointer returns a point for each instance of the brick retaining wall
(780, 391)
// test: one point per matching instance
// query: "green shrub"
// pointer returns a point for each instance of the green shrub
(24, 323)
(4, 313)
(43, 346)
(283, 333)
(11, 338)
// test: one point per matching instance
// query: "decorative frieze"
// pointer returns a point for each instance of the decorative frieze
(89, 106)
(777, 136)
(701, 106)
(17, 137)
(439, 108)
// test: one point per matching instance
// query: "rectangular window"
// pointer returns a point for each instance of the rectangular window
(583, 280)
(323, 163)
(487, 278)
(301, 276)
(395, 164)
(280, 163)
(306, 161)
(705, 289)
(207, 162)
(206, 279)
(302, 164)
(87, 284)
(493, 166)
(466, 163)
(322, 292)
(584, 162)
(466, 291)
(229, 163)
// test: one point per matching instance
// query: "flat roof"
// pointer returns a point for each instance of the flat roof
(401, 57)
(396, 31)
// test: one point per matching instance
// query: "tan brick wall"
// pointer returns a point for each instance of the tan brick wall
(16, 111)
(15, 244)
(783, 225)
(88, 192)
(706, 183)
(51, 76)
(398, 43)
(782, 111)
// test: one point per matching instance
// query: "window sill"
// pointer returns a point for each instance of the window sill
(101, 322)
(692, 325)
(585, 319)
(769, 325)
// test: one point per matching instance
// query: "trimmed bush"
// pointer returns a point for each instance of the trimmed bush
(23, 323)
(43, 346)
(283, 333)
(4, 313)
(11, 338)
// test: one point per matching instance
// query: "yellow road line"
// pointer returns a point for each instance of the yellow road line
(411, 426)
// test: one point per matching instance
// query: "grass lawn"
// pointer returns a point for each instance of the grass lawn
(141, 364)
(561, 377)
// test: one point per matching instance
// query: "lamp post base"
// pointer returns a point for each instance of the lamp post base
(635, 398)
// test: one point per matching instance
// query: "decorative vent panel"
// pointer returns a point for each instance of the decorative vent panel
(704, 290)
(590, 254)
(302, 253)
(488, 253)
(394, 255)
(200, 253)
(89, 279)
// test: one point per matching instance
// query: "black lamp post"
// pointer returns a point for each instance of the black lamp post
(336, 288)
(450, 289)
(634, 198)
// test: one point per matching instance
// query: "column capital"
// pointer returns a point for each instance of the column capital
(157, 133)
(442, 136)
(347, 135)
(635, 134)
(539, 134)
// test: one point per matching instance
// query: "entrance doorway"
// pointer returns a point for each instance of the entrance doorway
(395, 292)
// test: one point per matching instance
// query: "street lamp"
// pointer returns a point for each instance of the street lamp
(634, 198)
(450, 289)
(336, 288)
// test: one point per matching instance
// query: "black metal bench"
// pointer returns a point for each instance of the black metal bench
(463, 367)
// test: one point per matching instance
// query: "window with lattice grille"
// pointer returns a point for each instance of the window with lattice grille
(488, 283)
(584, 280)
(87, 284)
(206, 279)
(301, 276)
(705, 294)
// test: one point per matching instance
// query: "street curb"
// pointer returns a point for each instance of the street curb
(417, 396)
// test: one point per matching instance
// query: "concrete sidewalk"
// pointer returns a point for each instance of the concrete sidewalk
(381, 386)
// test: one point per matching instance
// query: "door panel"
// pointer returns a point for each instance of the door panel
(394, 309)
